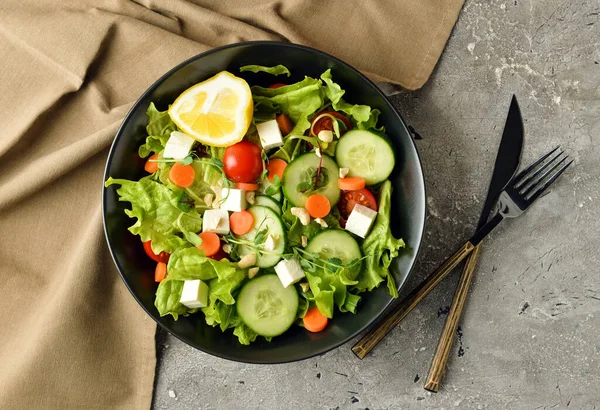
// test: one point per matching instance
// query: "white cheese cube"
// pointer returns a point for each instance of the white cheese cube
(194, 294)
(360, 220)
(216, 220)
(178, 145)
(234, 200)
(289, 271)
(269, 134)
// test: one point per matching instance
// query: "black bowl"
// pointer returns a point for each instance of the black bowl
(137, 270)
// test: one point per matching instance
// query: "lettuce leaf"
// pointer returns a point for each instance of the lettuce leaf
(298, 101)
(381, 248)
(330, 289)
(167, 299)
(159, 130)
(159, 218)
(363, 115)
(276, 70)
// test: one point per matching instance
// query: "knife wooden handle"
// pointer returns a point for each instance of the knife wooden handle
(381, 329)
(442, 353)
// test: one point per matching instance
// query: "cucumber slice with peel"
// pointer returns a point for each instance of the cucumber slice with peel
(300, 174)
(367, 154)
(266, 222)
(266, 307)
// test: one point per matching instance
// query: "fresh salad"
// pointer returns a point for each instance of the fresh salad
(264, 207)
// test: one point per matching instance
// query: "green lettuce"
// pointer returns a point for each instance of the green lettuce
(363, 115)
(380, 247)
(167, 299)
(298, 101)
(276, 70)
(330, 289)
(159, 217)
(159, 130)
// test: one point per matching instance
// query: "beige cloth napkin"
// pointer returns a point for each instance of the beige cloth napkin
(71, 336)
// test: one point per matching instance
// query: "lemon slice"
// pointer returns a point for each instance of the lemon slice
(215, 112)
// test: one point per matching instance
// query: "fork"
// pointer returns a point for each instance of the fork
(522, 191)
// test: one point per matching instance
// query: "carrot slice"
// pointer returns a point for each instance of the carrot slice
(285, 124)
(210, 243)
(182, 175)
(314, 321)
(276, 166)
(317, 206)
(151, 167)
(160, 272)
(245, 186)
(241, 222)
(351, 183)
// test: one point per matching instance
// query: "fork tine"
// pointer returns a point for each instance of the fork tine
(539, 175)
(524, 173)
(550, 181)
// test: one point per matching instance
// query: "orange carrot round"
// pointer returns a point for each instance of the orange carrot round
(241, 222)
(285, 124)
(314, 321)
(182, 175)
(151, 167)
(160, 272)
(351, 183)
(317, 206)
(210, 243)
(245, 186)
(276, 166)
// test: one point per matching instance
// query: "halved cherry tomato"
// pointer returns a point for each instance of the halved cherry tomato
(285, 124)
(277, 85)
(326, 123)
(243, 162)
(161, 257)
(349, 199)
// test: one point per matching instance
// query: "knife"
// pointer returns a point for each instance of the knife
(501, 176)
(505, 167)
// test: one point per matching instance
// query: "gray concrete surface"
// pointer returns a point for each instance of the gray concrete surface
(531, 330)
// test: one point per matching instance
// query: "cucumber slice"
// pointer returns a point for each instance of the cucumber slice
(300, 171)
(262, 188)
(266, 307)
(269, 202)
(335, 243)
(265, 218)
(366, 154)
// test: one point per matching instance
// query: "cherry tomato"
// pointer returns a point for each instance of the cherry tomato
(161, 257)
(326, 123)
(350, 198)
(243, 162)
(277, 85)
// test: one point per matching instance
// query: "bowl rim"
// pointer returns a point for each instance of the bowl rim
(151, 89)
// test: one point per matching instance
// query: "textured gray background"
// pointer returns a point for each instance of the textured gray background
(542, 356)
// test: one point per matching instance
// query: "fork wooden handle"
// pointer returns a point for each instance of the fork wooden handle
(377, 333)
(442, 353)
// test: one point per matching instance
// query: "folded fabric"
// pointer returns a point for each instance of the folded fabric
(72, 336)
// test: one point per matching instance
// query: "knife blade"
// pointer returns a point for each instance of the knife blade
(507, 159)
(505, 167)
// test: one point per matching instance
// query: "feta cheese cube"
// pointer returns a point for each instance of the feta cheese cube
(178, 145)
(360, 220)
(234, 199)
(194, 294)
(269, 134)
(216, 220)
(289, 271)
